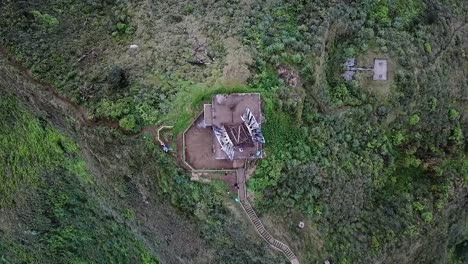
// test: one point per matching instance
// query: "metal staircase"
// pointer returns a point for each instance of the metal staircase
(265, 235)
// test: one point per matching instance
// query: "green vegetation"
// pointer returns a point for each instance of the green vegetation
(414, 119)
(123, 30)
(374, 167)
(457, 135)
(453, 114)
(427, 48)
(380, 13)
(434, 103)
(45, 179)
(340, 151)
(399, 14)
(129, 123)
(28, 147)
(45, 20)
(188, 9)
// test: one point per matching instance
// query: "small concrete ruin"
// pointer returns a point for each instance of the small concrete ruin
(379, 69)
(350, 71)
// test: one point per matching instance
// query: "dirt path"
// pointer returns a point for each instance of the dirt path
(80, 112)
(319, 72)
(446, 46)
(116, 184)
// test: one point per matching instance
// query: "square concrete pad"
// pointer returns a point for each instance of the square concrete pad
(380, 70)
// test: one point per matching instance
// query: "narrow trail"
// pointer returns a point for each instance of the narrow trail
(448, 43)
(80, 112)
(318, 72)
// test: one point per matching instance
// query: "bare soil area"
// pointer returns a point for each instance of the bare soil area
(238, 60)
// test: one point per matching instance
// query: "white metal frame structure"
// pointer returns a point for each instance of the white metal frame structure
(253, 126)
(223, 138)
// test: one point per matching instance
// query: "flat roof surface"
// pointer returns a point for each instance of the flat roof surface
(380, 70)
(227, 109)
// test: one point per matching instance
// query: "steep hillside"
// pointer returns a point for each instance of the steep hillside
(91, 194)
(377, 170)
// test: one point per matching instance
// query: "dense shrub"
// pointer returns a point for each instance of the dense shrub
(116, 77)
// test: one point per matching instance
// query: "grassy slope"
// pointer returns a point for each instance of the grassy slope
(125, 177)
(48, 186)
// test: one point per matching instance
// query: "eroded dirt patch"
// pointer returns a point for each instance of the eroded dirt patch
(237, 62)
(288, 75)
